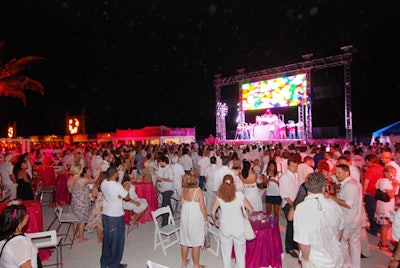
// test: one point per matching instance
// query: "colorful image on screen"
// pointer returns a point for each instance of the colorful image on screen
(278, 92)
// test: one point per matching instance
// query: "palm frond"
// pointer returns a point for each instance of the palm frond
(25, 83)
(15, 66)
(7, 91)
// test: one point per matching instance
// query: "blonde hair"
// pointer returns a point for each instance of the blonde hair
(190, 180)
(76, 169)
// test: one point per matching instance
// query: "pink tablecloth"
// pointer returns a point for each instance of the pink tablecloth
(63, 196)
(266, 249)
(35, 223)
(46, 175)
(147, 191)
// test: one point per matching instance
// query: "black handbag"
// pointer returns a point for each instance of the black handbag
(379, 195)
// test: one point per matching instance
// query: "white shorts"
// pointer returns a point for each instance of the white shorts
(137, 209)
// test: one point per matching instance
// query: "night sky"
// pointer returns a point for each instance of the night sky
(132, 64)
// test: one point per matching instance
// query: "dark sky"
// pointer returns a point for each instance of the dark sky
(132, 64)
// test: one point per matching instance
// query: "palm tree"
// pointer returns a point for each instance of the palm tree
(12, 82)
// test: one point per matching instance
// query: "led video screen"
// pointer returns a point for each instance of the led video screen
(273, 93)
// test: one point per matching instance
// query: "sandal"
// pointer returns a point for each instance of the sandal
(186, 265)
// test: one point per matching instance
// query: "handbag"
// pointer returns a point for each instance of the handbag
(380, 195)
(248, 229)
(207, 239)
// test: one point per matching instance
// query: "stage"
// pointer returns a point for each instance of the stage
(286, 142)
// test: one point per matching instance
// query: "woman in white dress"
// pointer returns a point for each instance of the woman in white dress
(17, 250)
(136, 204)
(251, 191)
(389, 185)
(231, 223)
(193, 219)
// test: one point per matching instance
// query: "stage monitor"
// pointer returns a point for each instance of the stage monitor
(273, 93)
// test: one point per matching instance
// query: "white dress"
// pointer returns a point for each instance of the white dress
(192, 223)
(254, 195)
(126, 205)
(383, 209)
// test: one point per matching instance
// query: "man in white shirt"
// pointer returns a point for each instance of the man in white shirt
(96, 162)
(209, 179)
(318, 226)
(166, 180)
(178, 172)
(288, 187)
(349, 198)
(186, 161)
(113, 220)
(202, 165)
(305, 168)
(105, 164)
(221, 172)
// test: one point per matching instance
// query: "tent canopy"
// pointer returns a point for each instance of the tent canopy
(393, 129)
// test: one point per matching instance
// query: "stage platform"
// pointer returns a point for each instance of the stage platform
(287, 142)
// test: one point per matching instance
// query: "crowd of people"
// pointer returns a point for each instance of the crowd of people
(324, 191)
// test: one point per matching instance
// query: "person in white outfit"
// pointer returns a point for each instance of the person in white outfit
(231, 222)
(222, 171)
(349, 198)
(8, 179)
(136, 204)
(209, 179)
(193, 219)
(251, 191)
(318, 226)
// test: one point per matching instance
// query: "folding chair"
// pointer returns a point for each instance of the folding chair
(41, 191)
(48, 239)
(65, 218)
(165, 231)
(151, 264)
(127, 218)
(177, 201)
(214, 231)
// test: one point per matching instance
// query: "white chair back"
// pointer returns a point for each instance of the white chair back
(151, 264)
(162, 234)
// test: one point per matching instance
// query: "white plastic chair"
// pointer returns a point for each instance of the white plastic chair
(177, 201)
(41, 191)
(65, 218)
(166, 231)
(151, 264)
(48, 239)
(214, 231)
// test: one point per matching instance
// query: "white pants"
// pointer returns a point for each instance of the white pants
(226, 250)
(351, 247)
(210, 197)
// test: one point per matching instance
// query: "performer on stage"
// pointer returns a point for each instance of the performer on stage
(291, 126)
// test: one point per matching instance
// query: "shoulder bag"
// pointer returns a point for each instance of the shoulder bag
(382, 196)
(248, 229)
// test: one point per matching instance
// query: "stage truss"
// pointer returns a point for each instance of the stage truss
(304, 111)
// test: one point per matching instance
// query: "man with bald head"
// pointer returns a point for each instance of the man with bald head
(387, 158)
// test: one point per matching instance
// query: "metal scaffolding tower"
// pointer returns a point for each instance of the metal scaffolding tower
(305, 112)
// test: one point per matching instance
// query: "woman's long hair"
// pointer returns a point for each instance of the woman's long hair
(17, 168)
(246, 169)
(10, 218)
(272, 162)
(227, 190)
